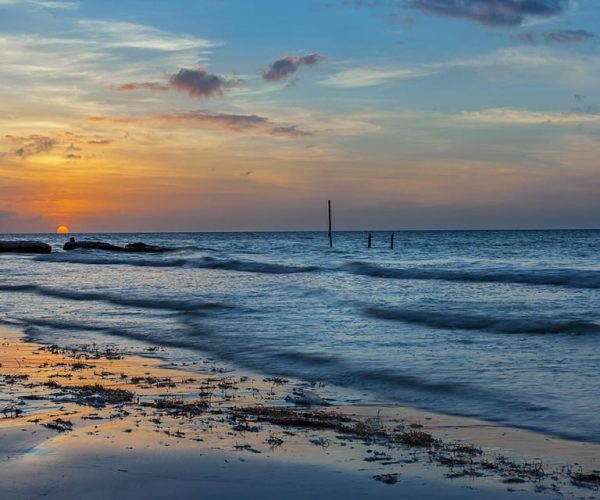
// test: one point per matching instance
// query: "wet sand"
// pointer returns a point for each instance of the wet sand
(96, 422)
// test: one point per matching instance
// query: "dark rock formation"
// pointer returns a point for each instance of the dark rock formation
(102, 245)
(142, 247)
(92, 245)
(24, 247)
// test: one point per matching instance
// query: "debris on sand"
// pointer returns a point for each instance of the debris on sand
(592, 478)
(179, 407)
(387, 478)
(60, 425)
(305, 397)
(98, 396)
(11, 411)
(416, 438)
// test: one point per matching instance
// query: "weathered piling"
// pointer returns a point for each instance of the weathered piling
(329, 232)
(392, 241)
(369, 240)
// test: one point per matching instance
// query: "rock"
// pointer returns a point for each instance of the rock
(138, 247)
(24, 247)
(142, 247)
(92, 245)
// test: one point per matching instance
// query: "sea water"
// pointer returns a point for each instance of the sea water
(501, 325)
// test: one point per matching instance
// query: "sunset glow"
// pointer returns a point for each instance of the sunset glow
(62, 230)
(443, 119)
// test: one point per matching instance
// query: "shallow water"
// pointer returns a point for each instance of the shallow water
(503, 325)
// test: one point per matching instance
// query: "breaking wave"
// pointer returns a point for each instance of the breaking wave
(140, 302)
(449, 321)
(576, 278)
(87, 257)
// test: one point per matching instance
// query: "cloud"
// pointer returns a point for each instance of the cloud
(196, 82)
(115, 121)
(201, 83)
(569, 36)
(288, 65)
(289, 131)
(99, 142)
(520, 64)
(141, 86)
(371, 3)
(32, 145)
(556, 36)
(370, 77)
(139, 36)
(528, 36)
(492, 12)
(515, 116)
(235, 123)
(224, 121)
(230, 122)
(45, 4)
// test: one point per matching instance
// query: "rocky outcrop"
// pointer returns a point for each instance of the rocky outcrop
(142, 247)
(102, 245)
(24, 247)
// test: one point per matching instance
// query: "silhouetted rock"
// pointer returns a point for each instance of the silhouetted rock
(92, 245)
(24, 247)
(138, 247)
(142, 247)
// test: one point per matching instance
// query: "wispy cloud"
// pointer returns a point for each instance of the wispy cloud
(370, 77)
(32, 145)
(515, 116)
(524, 63)
(555, 36)
(371, 3)
(569, 36)
(492, 12)
(230, 122)
(140, 36)
(154, 86)
(45, 4)
(288, 65)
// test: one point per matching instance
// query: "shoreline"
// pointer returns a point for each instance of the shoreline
(73, 409)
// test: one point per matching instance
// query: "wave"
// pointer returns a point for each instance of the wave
(449, 321)
(575, 278)
(31, 323)
(140, 302)
(91, 257)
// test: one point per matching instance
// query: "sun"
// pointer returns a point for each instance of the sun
(62, 230)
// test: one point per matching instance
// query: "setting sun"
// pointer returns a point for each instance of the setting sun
(62, 230)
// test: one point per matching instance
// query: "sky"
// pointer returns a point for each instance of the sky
(233, 115)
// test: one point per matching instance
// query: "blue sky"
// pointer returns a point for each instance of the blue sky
(248, 114)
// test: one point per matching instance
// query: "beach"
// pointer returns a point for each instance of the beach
(103, 422)
(322, 249)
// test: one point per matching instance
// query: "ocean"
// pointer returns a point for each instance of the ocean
(500, 325)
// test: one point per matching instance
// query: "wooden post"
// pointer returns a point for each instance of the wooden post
(392, 241)
(369, 240)
(329, 233)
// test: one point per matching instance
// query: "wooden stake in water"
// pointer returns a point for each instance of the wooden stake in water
(392, 241)
(330, 235)
(369, 240)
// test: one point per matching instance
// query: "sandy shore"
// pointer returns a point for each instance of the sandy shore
(95, 422)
